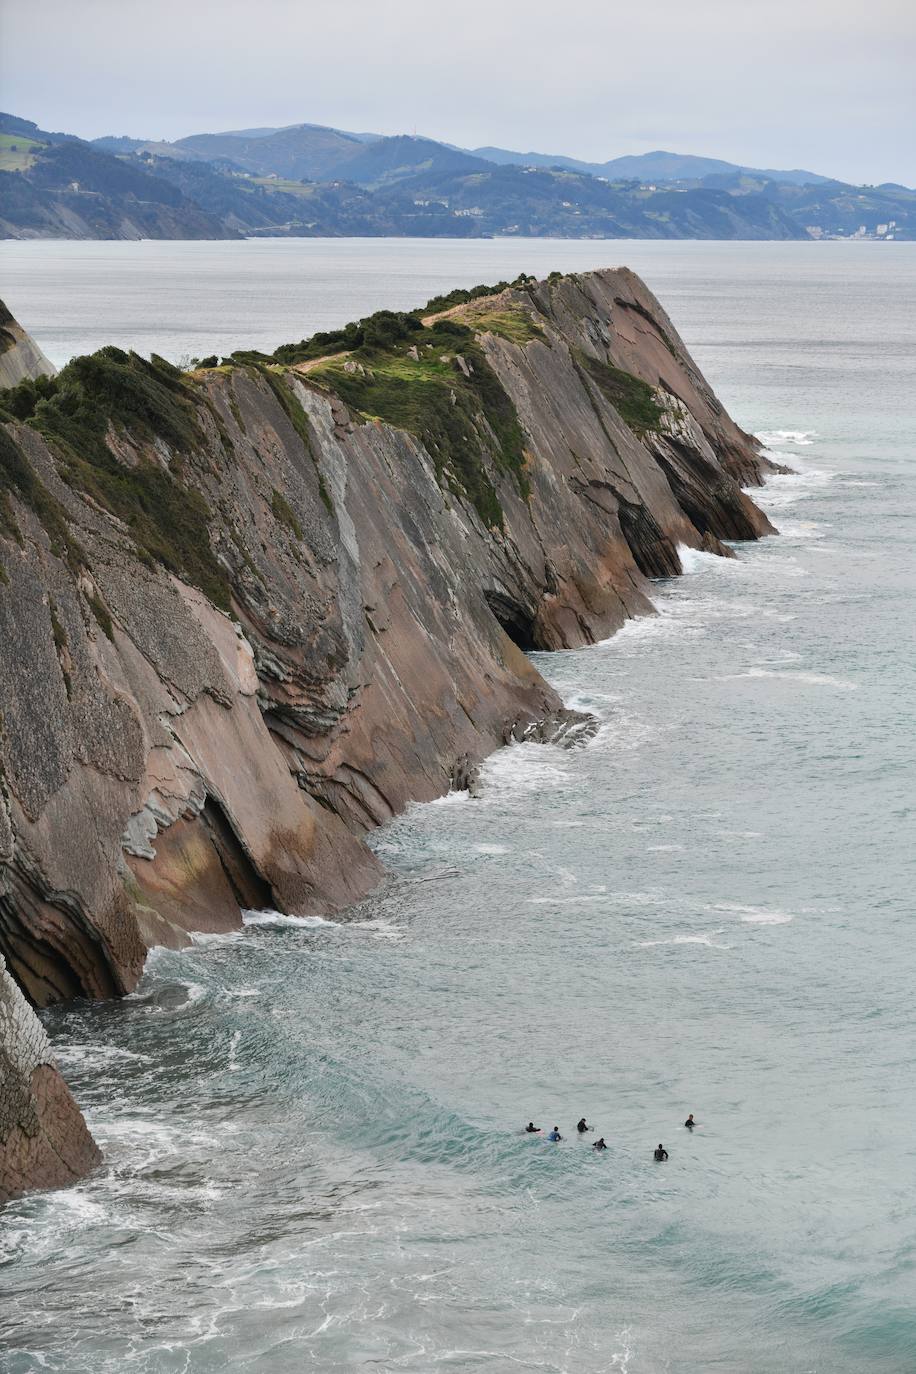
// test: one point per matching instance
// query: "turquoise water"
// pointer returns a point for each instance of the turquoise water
(312, 1130)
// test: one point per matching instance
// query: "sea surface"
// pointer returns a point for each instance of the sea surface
(313, 1141)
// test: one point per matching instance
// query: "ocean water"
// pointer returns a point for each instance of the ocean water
(313, 1129)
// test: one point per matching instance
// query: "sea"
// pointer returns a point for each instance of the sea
(313, 1129)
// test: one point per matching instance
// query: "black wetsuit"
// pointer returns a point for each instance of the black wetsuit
(582, 1128)
(599, 1144)
(690, 1123)
(661, 1154)
(531, 1129)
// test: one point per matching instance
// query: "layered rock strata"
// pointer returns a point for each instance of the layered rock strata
(243, 621)
(20, 356)
(44, 1142)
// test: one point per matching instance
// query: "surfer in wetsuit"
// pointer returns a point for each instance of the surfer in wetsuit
(582, 1127)
(690, 1123)
(555, 1134)
(661, 1153)
(599, 1144)
(531, 1129)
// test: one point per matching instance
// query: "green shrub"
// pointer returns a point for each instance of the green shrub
(168, 519)
(450, 411)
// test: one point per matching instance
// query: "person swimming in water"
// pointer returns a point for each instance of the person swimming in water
(531, 1129)
(661, 1153)
(555, 1134)
(599, 1144)
(582, 1126)
(690, 1123)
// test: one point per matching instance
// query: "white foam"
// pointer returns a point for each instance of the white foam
(664, 848)
(800, 437)
(684, 940)
(621, 1358)
(793, 675)
(279, 918)
(768, 918)
(491, 848)
(569, 901)
(754, 915)
(216, 938)
(801, 529)
(646, 627)
(525, 767)
(71, 1056)
(449, 799)
(698, 560)
(378, 927)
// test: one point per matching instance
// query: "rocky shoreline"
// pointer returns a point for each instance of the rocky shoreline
(251, 612)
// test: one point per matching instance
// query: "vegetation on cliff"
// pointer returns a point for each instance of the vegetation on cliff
(632, 398)
(106, 394)
(428, 376)
(435, 382)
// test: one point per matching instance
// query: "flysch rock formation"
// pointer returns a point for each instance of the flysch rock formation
(20, 356)
(244, 621)
(44, 1142)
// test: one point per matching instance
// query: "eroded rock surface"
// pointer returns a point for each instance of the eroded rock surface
(167, 760)
(44, 1142)
(20, 356)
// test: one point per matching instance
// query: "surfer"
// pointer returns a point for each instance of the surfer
(660, 1152)
(599, 1144)
(582, 1126)
(531, 1129)
(555, 1134)
(690, 1123)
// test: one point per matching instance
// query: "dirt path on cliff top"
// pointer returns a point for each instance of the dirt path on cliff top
(312, 363)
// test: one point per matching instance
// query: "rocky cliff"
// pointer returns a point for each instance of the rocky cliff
(20, 356)
(44, 1142)
(250, 612)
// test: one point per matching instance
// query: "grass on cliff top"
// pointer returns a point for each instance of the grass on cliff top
(464, 418)
(517, 325)
(379, 329)
(74, 411)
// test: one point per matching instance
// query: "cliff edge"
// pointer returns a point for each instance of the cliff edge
(250, 612)
(20, 356)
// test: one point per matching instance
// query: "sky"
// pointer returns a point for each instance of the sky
(827, 85)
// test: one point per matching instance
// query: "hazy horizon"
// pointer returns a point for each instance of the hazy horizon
(826, 87)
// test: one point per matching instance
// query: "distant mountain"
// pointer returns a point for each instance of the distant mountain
(393, 159)
(648, 167)
(310, 180)
(13, 126)
(832, 209)
(302, 152)
(566, 204)
(309, 152)
(66, 189)
(315, 152)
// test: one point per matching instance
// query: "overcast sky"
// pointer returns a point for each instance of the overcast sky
(828, 85)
